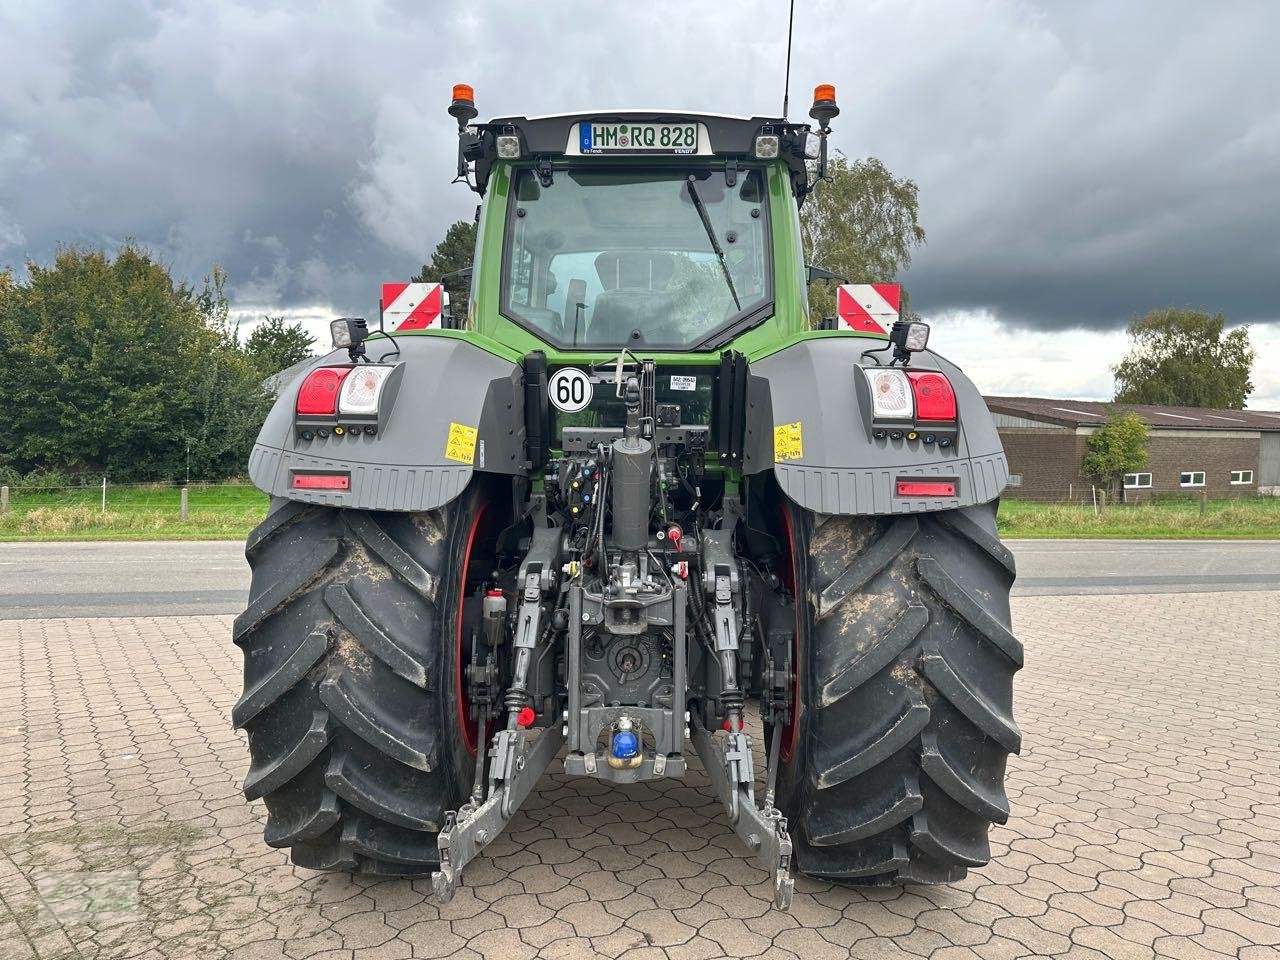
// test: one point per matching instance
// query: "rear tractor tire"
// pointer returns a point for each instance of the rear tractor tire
(893, 770)
(351, 700)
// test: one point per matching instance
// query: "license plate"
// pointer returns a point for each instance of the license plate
(639, 137)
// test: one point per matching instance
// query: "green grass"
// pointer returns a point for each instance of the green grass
(229, 511)
(142, 512)
(1254, 519)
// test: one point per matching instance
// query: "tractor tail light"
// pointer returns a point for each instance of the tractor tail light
(362, 390)
(935, 400)
(926, 488)
(318, 395)
(321, 481)
(890, 393)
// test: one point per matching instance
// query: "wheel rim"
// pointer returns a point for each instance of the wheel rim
(463, 698)
(790, 729)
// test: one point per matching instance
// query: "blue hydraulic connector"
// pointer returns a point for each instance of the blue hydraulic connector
(625, 745)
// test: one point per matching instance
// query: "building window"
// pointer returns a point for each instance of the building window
(1015, 479)
(1241, 476)
(1137, 481)
(1191, 478)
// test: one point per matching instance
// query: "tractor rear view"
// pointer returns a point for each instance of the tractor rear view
(629, 500)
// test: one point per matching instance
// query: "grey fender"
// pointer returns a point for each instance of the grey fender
(842, 468)
(445, 381)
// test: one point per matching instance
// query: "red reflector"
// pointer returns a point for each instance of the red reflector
(318, 395)
(926, 488)
(935, 400)
(321, 481)
(525, 717)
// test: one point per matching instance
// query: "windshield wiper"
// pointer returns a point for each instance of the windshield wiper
(711, 235)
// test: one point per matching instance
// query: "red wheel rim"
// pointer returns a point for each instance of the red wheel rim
(789, 730)
(464, 701)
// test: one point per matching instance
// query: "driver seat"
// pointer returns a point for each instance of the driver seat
(635, 292)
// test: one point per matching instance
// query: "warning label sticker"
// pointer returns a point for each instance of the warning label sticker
(460, 447)
(788, 441)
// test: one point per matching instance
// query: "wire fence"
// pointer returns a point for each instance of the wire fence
(237, 495)
(218, 509)
(107, 497)
(1092, 496)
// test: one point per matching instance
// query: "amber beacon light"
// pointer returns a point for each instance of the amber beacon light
(824, 108)
(463, 107)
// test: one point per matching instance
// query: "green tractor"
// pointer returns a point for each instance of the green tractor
(629, 501)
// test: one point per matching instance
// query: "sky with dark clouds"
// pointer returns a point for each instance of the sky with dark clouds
(1078, 162)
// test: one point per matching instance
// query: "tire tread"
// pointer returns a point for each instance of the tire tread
(342, 638)
(910, 661)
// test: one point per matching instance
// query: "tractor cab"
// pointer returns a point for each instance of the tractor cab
(654, 230)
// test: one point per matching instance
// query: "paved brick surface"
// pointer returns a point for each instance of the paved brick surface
(1145, 819)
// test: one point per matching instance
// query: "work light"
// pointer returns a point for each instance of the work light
(508, 147)
(348, 332)
(908, 337)
(766, 147)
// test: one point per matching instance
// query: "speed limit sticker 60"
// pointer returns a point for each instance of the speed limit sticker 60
(569, 389)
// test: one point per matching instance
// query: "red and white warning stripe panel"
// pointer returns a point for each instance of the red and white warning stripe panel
(410, 306)
(869, 307)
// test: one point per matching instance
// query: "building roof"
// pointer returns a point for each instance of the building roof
(1083, 413)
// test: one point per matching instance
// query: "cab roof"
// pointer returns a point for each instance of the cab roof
(729, 134)
(545, 138)
(639, 111)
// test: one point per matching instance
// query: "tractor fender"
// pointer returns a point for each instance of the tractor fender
(448, 387)
(841, 468)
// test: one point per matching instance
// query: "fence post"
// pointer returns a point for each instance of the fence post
(4, 499)
(184, 504)
(1204, 501)
(104, 495)
(1094, 490)
(1071, 493)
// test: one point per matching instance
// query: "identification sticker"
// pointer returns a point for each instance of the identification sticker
(460, 447)
(684, 383)
(788, 441)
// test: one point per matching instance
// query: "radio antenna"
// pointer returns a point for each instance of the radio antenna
(786, 89)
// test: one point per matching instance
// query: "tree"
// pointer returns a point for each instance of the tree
(455, 252)
(862, 225)
(107, 365)
(275, 345)
(1116, 448)
(230, 398)
(1181, 357)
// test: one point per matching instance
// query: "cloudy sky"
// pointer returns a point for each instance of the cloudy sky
(1078, 162)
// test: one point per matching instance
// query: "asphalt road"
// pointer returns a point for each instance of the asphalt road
(175, 579)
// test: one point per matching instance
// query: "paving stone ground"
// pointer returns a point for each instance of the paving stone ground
(1146, 819)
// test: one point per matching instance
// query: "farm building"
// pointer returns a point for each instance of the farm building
(1222, 453)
